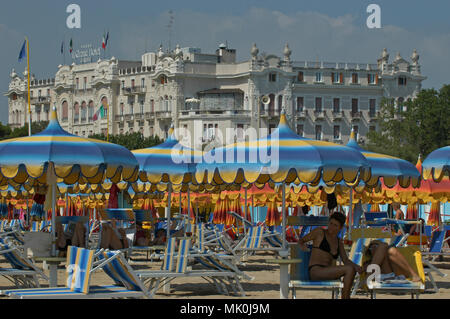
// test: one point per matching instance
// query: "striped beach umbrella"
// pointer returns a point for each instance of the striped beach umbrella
(387, 169)
(437, 164)
(55, 155)
(434, 218)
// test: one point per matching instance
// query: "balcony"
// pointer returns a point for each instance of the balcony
(163, 114)
(356, 115)
(129, 117)
(119, 118)
(213, 112)
(373, 116)
(133, 90)
(302, 114)
(337, 115)
(320, 115)
(149, 115)
(139, 116)
(40, 100)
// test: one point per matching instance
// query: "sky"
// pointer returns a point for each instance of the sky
(327, 30)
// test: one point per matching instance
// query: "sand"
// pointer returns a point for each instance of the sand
(266, 283)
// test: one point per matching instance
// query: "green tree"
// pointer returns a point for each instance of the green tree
(131, 141)
(414, 127)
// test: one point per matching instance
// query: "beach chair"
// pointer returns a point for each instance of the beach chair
(299, 276)
(23, 272)
(219, 272)
(414, 258)
(81, 263)
(436, 249)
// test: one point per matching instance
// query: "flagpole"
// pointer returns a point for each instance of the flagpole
(107, 122)
(29, 98)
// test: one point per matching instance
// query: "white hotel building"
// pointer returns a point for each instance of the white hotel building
(323, 100)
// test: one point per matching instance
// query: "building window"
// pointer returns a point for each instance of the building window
(318, 104)
(335, 77)
(372, 108)
(132, 83)
(143, 82)
(90, 111)
(300, 129)
(402, 81)
(272, 77)
(355, 79)
(280, 103)
(337, 132)
(123, 85)
(371, 78)
(84, 83)
(354, 106)
(318, 132)
(300, 105)
(151, 131)
(300, 77)
(121, 109)
(39, 93)
(77, 83)
(152, 106)
(131, 108)
(76, 114)
(318, 76)
(336, 105)
(83, 112)
(240, 131)
(142, 107)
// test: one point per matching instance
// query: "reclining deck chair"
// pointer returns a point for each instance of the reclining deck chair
(219, 271)
(24, 273)
(299, 274)
(414, 257)
(81, 263)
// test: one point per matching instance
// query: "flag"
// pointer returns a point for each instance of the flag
(105, 40)
(71, 46)
(62, 47)
(23, 52)
(100, 113)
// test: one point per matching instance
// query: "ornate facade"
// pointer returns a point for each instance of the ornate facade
(208, 93)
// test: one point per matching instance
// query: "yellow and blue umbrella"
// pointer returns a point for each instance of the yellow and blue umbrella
(390, 169)
(437, 164)
(169, 162)
(55, 155)
(283, 157)
(75, 159)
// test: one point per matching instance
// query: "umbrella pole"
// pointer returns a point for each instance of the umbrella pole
(168, 211)
(283, 189)
(350, 221)
(246, 208)
(53, 219)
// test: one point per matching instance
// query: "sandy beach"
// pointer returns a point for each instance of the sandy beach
(266, 283)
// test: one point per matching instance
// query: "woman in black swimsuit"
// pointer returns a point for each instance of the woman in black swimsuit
(327, 247)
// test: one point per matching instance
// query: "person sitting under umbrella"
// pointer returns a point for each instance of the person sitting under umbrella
(327, 247)
(113, 238)
(74, 235)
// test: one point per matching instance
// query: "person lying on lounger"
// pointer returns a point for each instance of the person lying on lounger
(113, 238)
(327, 247)
(393, 265)
(75, 235)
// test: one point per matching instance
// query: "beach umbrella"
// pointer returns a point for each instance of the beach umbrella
(411, 211)
(168, 164)
(391, 170)
(437, 164)
(283, 157)
(55, 155)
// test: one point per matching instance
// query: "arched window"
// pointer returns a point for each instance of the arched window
(65, 111)
(105, 105)
(90, 110)
(83, 111)
(166, 103)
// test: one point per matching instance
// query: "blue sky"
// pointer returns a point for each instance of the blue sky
(328, 30)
